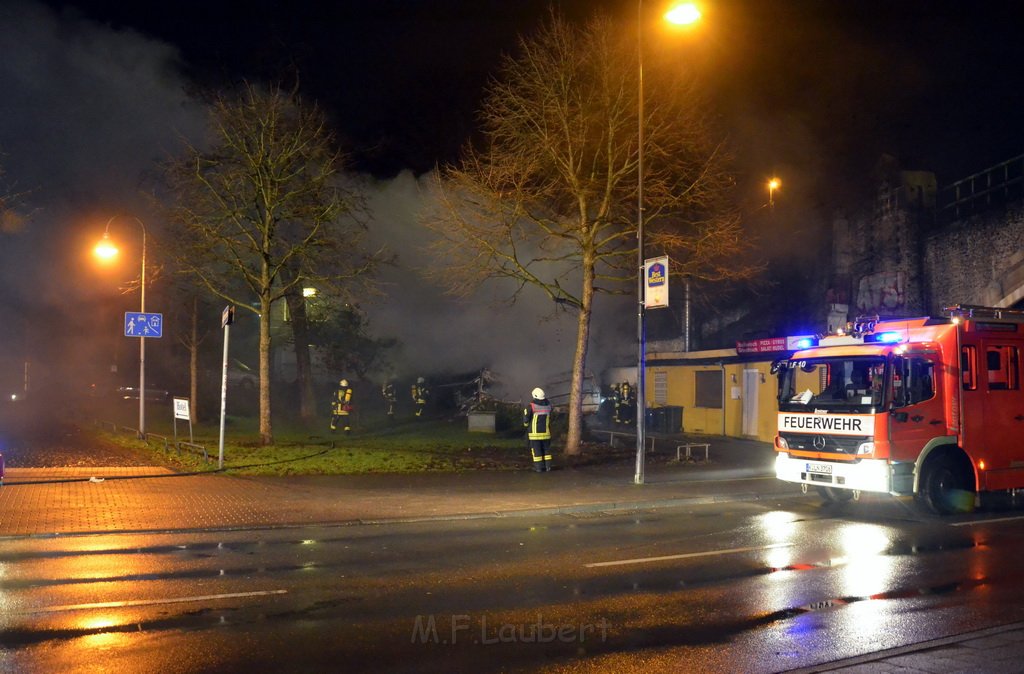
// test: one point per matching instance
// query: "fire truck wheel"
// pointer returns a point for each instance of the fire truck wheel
(833, 495)
(944, 489)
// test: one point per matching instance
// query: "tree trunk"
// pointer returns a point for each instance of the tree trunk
(303, 366)
(579, 361)
(266, 432)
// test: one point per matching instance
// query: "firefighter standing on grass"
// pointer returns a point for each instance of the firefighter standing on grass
(420, 395)
(388, 392)
(341, 407)
(537, 421)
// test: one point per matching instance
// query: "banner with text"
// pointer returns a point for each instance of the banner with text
(656, 282)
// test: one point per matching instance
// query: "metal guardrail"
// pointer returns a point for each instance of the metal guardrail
(999, 184)
(689, 446)
(614, 434)
(159, 437)
(194, 448)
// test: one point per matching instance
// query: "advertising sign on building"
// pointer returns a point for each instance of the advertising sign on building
(771, 344)
(656, 282)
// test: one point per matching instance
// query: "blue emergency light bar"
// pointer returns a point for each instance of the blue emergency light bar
(889, 337)
(806, 343)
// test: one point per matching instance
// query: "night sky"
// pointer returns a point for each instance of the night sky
(814, 91)
(937, 84)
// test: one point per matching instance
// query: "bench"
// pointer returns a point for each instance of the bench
(688, 447)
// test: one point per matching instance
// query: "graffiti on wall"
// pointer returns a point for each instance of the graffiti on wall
(881, 293)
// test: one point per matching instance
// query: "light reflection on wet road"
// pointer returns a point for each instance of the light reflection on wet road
(739, 587)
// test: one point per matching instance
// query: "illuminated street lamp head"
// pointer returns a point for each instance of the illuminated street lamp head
(105, 249)
(683, 14)
(773, 185)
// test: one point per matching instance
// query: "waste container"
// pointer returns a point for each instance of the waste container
(655, 420)
(666, 419)
(673, 418)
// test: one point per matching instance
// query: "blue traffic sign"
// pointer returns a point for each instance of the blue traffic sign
(137, 324)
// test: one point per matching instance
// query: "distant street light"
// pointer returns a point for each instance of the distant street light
(106, 250)
(773, 185)
(680, 14)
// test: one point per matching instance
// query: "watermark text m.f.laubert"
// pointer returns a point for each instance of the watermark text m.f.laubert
(464, 628)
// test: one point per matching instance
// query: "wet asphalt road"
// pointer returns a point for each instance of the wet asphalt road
(744, 587)
(751, 587)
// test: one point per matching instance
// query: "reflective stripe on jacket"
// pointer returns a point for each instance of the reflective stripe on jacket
(536, 418)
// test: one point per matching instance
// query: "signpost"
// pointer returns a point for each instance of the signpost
(227, 317)
(181, 411)
(138, 324)
(141, 324)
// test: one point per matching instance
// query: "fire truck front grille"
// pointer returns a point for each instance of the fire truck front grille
(842, 444)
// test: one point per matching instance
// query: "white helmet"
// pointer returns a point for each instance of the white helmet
(419, 380)
(344, 382)
(538, 394)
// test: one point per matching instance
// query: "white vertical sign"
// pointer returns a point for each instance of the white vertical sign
(181, 409)
(656, 282)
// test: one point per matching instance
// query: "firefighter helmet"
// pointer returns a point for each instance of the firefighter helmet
(343, 382)
(538, 394)
(419, 380)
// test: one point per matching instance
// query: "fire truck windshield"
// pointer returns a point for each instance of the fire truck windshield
(853, 384)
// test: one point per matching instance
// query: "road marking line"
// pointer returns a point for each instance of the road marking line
(152, 602)
(974, 522)
(644, 560)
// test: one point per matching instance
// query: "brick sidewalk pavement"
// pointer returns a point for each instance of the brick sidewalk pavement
(44, 501)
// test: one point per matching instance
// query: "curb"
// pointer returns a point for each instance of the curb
(613, 506)
(905, 650)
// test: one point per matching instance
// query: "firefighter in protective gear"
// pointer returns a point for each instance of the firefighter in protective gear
(341, 407)
(388, 392)
(617, 402)
(420, 395)
(537, 421)
(627, 396)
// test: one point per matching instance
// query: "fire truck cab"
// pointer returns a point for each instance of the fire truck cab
(929, 407)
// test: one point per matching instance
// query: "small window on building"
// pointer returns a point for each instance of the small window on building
(708, 389)
(661, 388)
(1002, 366)
(969, 367)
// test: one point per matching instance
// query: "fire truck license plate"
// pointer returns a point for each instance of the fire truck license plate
(822, 468)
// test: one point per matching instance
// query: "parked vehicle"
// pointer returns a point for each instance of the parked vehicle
(932, 407)
(152, 394)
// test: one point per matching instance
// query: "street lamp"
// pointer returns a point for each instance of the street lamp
(106, 250)
(684, 13)
(773, 185)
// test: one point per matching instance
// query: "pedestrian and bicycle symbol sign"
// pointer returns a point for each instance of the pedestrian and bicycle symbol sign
(138, 324)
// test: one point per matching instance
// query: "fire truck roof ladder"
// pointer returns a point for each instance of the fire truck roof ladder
(970, 311)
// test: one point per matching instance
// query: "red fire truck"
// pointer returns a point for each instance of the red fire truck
(931, 407)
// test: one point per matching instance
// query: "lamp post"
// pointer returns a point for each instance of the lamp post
(680, 14)
(106, 249)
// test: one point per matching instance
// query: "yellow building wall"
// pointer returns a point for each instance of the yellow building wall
(681, 392)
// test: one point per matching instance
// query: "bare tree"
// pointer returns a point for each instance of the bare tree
(263, 211)
(548, 199)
